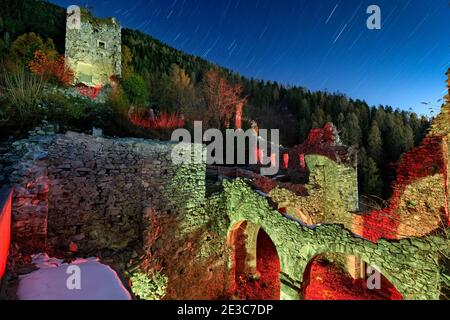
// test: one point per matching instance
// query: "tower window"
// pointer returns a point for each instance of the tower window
(101, 44)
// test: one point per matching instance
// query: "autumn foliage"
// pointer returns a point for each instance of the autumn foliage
(91, 92)
(223, 99)
(52, 69)
(425, 160)
(162, 121)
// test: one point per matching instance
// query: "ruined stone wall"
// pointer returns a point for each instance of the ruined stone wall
(74, 189)
(28, 177)
(411, 265)
(93, 50)
(101, 196)
(418, 207)
(5, 227)
(98, 193)
(327, 170)
(99, 187)
(419, 204)
(332, 194)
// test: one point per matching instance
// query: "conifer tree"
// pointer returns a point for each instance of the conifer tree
(375, 142)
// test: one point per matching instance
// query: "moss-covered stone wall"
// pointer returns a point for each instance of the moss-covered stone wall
(332, 193)
(411, 265)
(113, 193)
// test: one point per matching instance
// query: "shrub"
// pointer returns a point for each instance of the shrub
(149, 287)
(72, 113)
(162, 121)
(23, 91)
(105, 118)
(136, 89)
(4, 116)
(118, 101)
(81, 114)
(3, 48)
(52, 68)
(25, 46)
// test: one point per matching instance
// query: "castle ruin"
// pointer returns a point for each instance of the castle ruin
(93, 47)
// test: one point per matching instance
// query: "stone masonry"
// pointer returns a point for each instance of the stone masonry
(92, 192)
(93, 47)
(79, 192)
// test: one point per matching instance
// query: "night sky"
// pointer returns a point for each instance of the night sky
(317, 44)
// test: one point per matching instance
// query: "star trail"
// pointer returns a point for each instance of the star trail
(320, 45)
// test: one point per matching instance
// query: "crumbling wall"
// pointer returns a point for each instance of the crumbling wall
(417, 208)
(332, 194)
(101, 195)
(90, 193)
(80, 192)
(5, 227)
(419, 204)
(99, 188)
(28, 177)
(93, 50)
(411, 265)
(326, 169)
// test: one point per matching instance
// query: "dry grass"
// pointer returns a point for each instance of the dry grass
(23, 90)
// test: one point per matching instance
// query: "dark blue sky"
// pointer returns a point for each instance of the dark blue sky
(318, 44)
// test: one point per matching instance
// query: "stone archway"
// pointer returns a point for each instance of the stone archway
(409, 264)
(255, 262)
(335, 276)
(356, 263)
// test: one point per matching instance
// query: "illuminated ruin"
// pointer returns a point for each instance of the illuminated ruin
(103, 194)
(208, 232)
(93, 47)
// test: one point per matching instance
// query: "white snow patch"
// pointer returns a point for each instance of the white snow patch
(49, 282)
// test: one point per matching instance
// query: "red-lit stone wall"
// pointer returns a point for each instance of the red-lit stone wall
(30, 196)
(419, 202)
(75, 191)
(321, 141)
(5, 227)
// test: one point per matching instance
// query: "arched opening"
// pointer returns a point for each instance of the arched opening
(256, 266)
(334, 276)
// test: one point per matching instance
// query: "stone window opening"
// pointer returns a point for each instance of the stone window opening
(101, 44)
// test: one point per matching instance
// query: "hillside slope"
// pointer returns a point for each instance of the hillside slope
(382, 133)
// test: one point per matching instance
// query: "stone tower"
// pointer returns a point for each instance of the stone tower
(93, 47)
